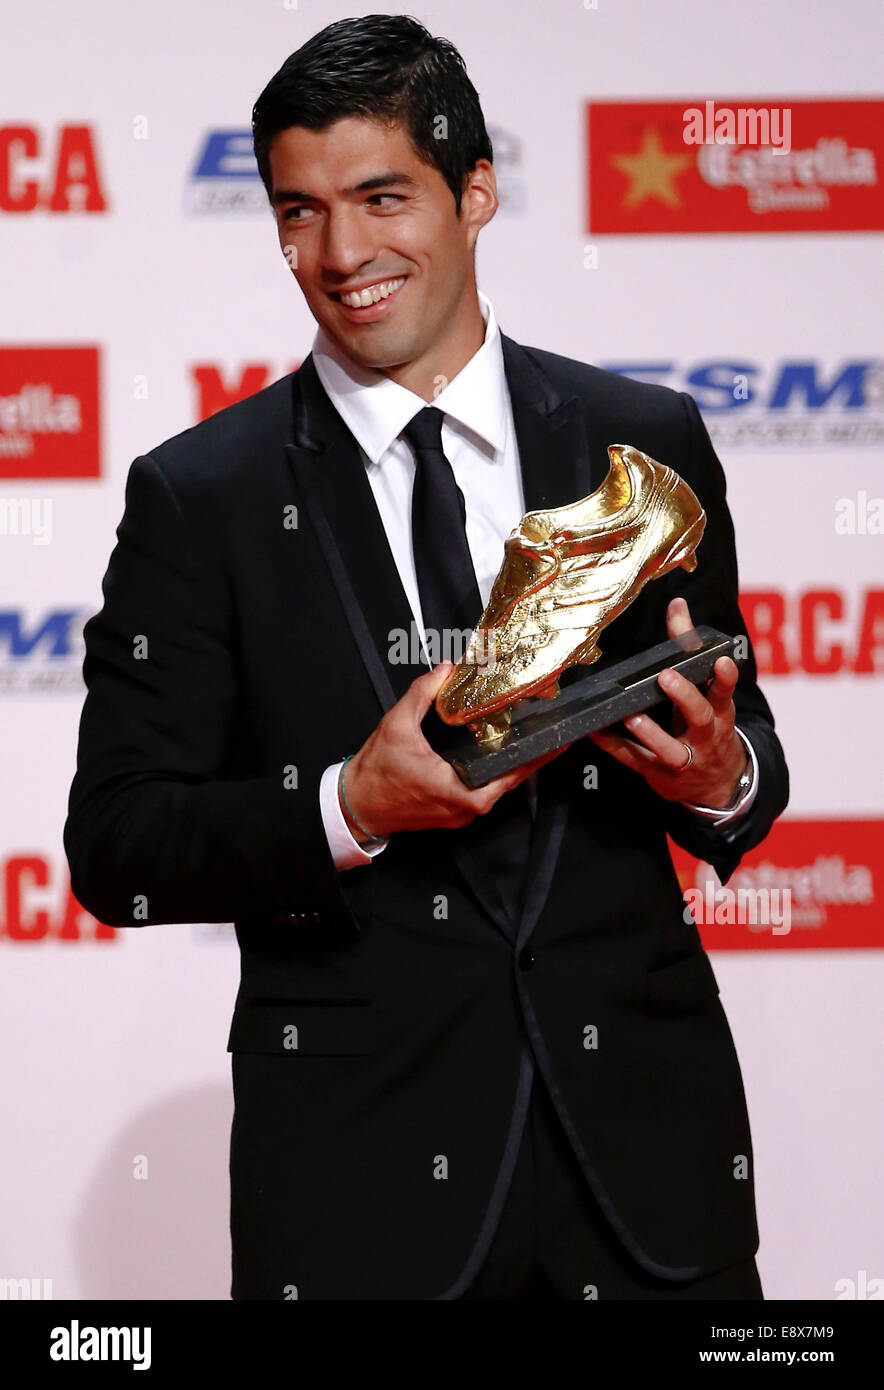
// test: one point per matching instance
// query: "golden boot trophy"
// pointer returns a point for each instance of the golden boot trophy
(567, 573)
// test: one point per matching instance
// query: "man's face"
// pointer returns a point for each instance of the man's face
(366, 212)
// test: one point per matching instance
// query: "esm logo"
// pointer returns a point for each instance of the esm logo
(43, 654)
(795, 401)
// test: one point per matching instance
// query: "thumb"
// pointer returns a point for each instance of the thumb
(678, 617)
(422, 691)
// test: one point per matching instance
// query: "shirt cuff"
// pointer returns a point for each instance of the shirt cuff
(346, 852)
(745, 801)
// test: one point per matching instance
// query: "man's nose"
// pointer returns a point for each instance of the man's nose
(348, 243)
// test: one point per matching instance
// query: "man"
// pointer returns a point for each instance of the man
(477, 1046)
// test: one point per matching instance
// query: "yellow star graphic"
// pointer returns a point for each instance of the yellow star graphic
(651, 172)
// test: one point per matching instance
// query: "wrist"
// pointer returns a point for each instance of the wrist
(351, 810)
(726, 799)
(738, 790)
(742, 766)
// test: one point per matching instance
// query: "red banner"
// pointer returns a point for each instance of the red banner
(810, 883)
(49, 412)
(736, 164)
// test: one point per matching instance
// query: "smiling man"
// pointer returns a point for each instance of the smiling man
(477, 1048)
(384, 266)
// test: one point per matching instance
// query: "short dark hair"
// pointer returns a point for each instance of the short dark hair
(387, 68)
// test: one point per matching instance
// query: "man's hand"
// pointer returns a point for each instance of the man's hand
(705, 722)
(397, 782)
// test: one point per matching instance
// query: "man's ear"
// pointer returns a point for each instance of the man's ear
(479, 202)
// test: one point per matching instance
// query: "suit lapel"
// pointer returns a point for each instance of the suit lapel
(336, 493)
(553, 449)
(338, 497)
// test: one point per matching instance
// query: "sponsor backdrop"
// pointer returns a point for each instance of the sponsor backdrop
(735, 256)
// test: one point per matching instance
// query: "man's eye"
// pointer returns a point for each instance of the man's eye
(397, 197)
(290, 214)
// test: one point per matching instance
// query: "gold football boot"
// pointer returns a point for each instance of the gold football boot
(567, 573)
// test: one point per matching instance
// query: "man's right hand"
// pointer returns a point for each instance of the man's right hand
(397, 782)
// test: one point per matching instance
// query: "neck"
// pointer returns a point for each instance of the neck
(429, 374)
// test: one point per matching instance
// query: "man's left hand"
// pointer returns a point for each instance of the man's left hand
(705, 722)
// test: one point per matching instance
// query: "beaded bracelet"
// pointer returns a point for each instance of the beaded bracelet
(375, 839)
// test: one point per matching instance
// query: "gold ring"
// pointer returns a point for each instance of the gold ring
(690, 752)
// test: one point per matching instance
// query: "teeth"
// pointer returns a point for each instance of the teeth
(360, 299)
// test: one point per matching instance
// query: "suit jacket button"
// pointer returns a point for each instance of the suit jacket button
(314, 919)
(526, 959)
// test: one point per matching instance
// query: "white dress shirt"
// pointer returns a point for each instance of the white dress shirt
(479, 441)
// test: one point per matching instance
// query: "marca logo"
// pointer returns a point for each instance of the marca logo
(646, 177)
(37, 904)
(41, 654)
(49, 420)
(796, 401)
(49, 174)
(819, 632)
(831, 870)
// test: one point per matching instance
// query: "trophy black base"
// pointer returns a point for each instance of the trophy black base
(594, 701)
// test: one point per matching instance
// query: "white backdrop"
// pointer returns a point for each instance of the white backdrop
(115, 1049)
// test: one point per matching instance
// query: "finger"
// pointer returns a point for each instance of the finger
(537, 763)
(630, 754)
(508, 780)
(480, 799)
(422, 691)
(692, 703)
(667, 750)
(451, 785)
(720, 691)
(678, 617)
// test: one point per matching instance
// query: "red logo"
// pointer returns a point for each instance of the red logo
(214, 393)
(817, 632)
(34, 912)
(49, 412)
(735, 165)
(60, 178)
(809, 883)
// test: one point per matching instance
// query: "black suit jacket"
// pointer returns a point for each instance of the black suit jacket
(390, 1018)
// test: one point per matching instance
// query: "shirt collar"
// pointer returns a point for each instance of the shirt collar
(376, 409)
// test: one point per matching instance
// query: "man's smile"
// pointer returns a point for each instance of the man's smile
(366, 304)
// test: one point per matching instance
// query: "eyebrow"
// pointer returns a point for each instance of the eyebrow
(391, 178)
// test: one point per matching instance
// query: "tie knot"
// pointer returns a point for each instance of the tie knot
(424, 431)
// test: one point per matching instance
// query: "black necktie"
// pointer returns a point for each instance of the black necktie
(450, 600)
(446, 580)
